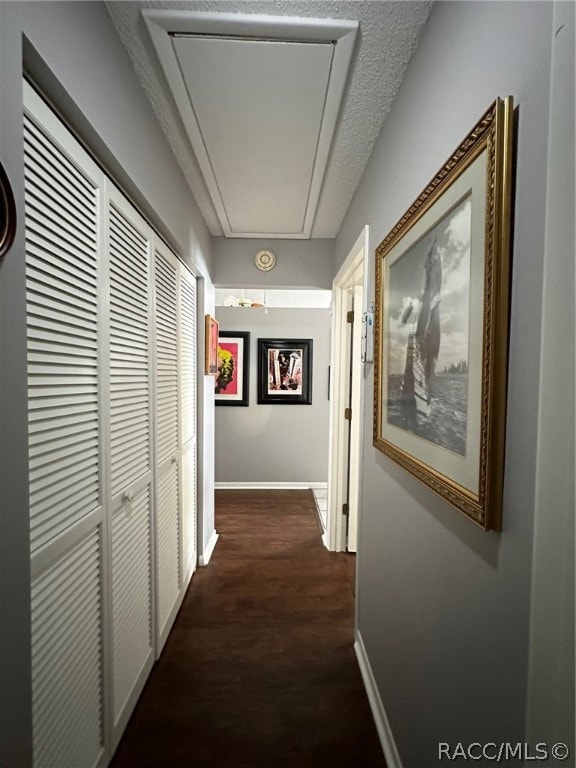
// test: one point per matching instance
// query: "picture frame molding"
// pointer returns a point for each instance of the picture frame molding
(264, 396)
(244, 400)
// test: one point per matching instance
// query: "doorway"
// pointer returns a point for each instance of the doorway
(346, 409)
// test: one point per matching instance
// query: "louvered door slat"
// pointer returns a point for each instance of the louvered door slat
(49, 156)
(166, 359)
(44, 209)
(188, 356)
(131, 596)
(66, 635)
(55, 261)
(42, 442)
(126, 298)
(129, 351)
(46, 187)
(168, 543)
(189, 508)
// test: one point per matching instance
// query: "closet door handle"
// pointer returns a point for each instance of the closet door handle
(127, 497)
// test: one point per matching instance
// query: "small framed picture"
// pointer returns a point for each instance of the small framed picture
(211, 347)
(285, 371)
(232, 378)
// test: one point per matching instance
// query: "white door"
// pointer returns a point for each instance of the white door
(346, 406)
(355, 422)
(64, 242)
(168, 525)
(112, 444)
(129, 353)
(175, 387)
(188, 414)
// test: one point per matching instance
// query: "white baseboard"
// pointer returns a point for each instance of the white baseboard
(204, 558)
(382, 724)
(265, 486)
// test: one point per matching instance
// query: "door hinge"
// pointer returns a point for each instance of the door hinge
(348, 414)
(346, 509)
(350, 316)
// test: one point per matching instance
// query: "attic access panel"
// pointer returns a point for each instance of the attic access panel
(259, 97)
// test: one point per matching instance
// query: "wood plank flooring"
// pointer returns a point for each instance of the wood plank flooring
(259, 670)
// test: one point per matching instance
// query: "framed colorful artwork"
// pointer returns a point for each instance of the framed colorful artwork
(285, 371)
(211, 346)
(232, 379)
(441, 325)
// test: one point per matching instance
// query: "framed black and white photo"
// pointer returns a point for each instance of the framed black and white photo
(285, 371)
(441, 325)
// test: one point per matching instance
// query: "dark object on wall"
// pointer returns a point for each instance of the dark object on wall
(232, 379)
(7, 214)
(285, 371)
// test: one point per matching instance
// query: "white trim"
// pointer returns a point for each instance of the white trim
(163, 24)
(378, 712)
(204, 558)
(346, 273)
(266, 486)
(351, 275)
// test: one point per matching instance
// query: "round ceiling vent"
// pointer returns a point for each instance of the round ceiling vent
(265, 260)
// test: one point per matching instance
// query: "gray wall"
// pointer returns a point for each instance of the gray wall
(444, 609)
(74, 53)
(276, 443)
(299, 263)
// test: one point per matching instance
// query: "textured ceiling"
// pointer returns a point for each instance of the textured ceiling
(389, 33)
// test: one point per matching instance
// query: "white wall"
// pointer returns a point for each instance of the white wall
(444, 608)
(262, 444)
(73, 52)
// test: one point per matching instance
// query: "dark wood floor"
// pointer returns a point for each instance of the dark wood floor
(259, 670)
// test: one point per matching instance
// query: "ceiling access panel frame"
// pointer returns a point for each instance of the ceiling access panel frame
(164, 24)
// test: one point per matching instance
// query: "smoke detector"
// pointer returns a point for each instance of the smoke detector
(265, 261)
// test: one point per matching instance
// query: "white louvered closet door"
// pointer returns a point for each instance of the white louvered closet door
(112, 445)
(130, 456)
(187, 398)
(168, 498)
(63, 250)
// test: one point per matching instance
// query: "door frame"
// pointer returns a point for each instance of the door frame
(351, 276)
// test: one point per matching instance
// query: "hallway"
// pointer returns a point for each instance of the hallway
(259, 669)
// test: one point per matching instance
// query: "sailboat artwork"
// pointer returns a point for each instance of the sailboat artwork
(441, 324)
(428, 333)
(424, 340)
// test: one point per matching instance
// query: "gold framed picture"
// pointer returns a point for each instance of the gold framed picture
(441, 325)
